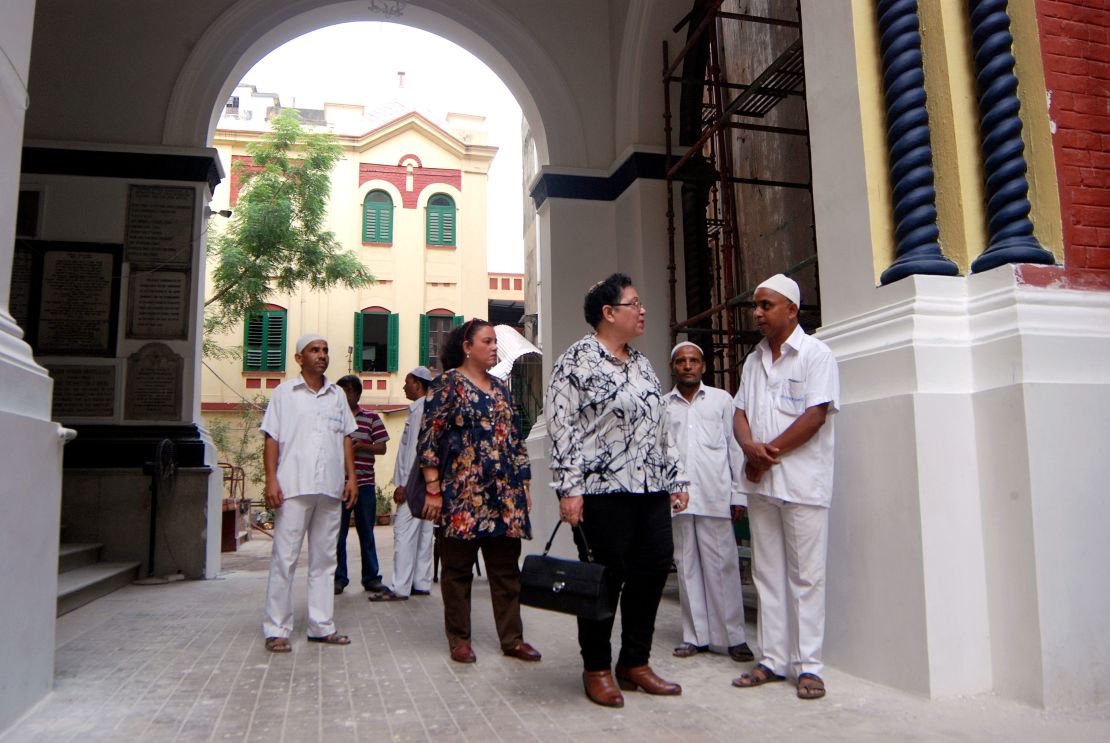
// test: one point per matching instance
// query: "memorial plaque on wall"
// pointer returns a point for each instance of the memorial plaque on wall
(158, 305)
(83, 392)
(160, 226)
(78, 299)
(153, 392)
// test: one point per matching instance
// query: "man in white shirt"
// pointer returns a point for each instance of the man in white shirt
(700, 421)
(310, 466)
(412, 537)
(789, 387)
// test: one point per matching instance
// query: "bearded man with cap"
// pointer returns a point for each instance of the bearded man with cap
(700, 422)
(310, 474)
(788, 389)
(412, 537)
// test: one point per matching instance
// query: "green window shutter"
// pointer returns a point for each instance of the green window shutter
(275, 340)
(457, 321)
(264, 341)
(385, 223)
(423, 340)
(358, 343)
(377, 218)
(449, 227)
(254, 330)
(441, 220)
(392, 343)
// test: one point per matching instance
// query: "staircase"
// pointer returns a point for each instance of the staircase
(83, 578)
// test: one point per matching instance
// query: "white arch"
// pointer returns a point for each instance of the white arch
(250, 29)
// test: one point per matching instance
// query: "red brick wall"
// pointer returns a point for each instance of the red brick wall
(1075, 46)
(421, 179)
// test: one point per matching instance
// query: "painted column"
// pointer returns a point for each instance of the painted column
(917, 250)
(1009, 229)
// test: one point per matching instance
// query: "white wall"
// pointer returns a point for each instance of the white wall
(31, 496)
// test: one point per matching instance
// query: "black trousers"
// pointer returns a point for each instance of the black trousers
(630, 534)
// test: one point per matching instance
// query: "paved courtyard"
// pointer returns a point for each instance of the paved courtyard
(184, 662)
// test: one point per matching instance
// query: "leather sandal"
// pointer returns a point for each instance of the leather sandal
(688, 649)
(642, 677)
(810, 686)
(602, 689)
(333, 639)
(741, 653)
(759, 676)
(278, 645)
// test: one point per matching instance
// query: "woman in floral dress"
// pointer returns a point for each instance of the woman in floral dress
(476, 469)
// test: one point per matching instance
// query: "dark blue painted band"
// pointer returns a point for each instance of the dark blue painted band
(600, 188)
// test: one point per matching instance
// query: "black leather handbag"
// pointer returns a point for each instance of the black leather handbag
(566, 586)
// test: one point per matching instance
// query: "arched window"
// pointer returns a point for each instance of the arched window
(377, 218)
(441, 220)
(264, 340)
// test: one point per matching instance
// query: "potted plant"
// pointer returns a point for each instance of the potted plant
(384, 507)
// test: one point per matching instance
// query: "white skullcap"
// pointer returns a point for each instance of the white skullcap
(683, 345)
(307, 338)
(423, 372)
(787, 287)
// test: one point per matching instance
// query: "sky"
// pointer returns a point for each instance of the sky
(359, 62)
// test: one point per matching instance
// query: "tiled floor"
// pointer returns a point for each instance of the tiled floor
(185, 662)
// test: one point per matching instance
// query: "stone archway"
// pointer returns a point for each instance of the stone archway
(250, 29)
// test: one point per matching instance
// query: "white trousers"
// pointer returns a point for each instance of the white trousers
(789, 546)
(318, 516)
(708, 581)
(412, 552)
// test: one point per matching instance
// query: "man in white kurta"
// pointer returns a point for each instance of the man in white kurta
(789, 387)
(700, 421)
(412, 537)
(309, 459)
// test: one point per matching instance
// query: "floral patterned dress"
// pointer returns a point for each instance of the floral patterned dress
(484, 462)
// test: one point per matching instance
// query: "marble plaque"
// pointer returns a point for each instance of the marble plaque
(154, 376)
(159, 304)
(83, 392)
(77, 304)
(159, 226)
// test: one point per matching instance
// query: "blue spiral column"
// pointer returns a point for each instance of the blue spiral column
(1010, 232)
(911, 155)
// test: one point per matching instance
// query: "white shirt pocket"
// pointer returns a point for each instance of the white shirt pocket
(791, 396)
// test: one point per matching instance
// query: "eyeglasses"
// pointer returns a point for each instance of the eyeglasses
(635, 303)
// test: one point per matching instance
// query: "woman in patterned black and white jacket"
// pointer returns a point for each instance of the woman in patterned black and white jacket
(618, 478)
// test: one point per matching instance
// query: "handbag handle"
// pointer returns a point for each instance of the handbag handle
(589, 552)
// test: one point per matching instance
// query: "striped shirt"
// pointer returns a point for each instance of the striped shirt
(370, 428)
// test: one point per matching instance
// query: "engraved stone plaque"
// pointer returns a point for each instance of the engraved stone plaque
(158, 305)
(83, 392)
(76, 308)
(159, 226)
(153, 384)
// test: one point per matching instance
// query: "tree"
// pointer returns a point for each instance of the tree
(276, 241)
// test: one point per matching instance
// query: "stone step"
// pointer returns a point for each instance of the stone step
(89, 582)
(73, 555)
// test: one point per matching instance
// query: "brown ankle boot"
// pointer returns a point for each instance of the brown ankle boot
(643, 677)
(601, 689)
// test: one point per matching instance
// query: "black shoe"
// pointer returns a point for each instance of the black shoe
(420, 592)
(377, 587)
(339, 589)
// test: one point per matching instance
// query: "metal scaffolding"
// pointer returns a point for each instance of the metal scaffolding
(720, 326)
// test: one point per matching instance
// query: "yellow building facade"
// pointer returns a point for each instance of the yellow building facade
(408, 197)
